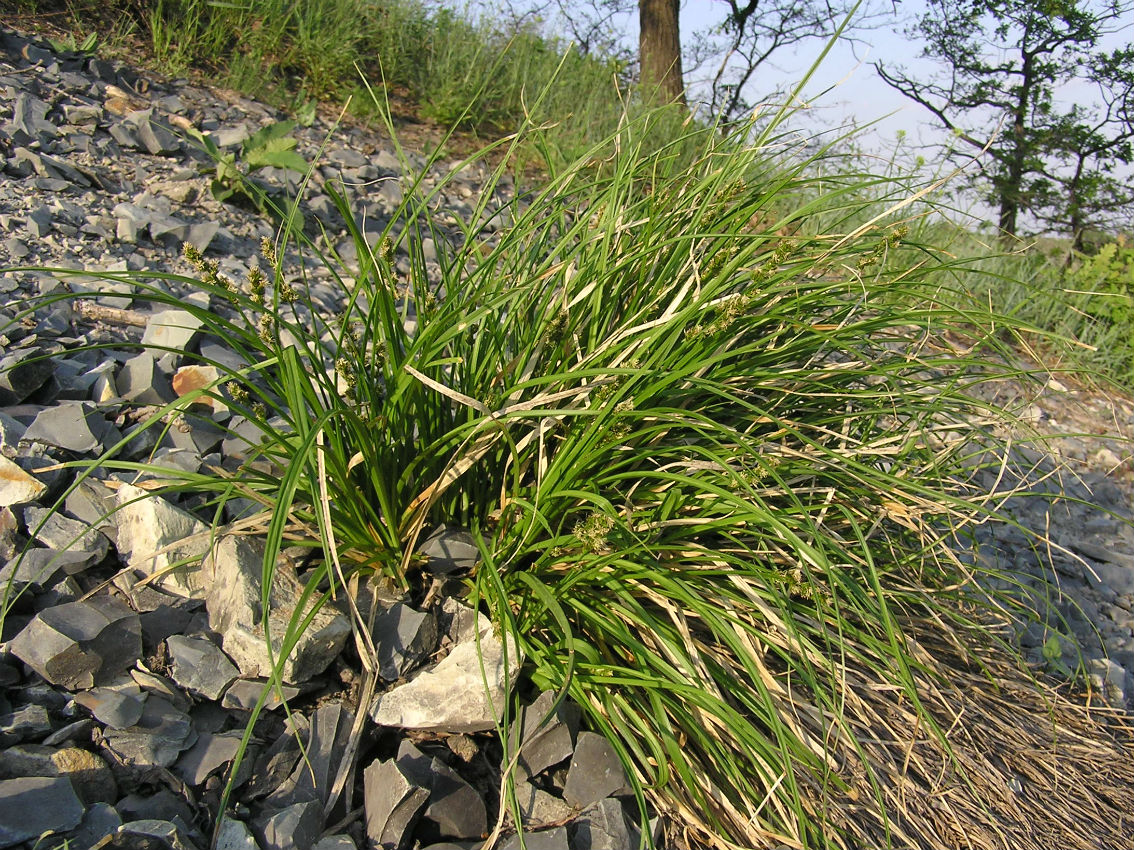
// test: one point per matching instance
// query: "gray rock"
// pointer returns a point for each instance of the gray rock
(402, 637)
(393, 804)
(234, 601)
(94, 503)
(162, 733)
(28, 723)
(99, 821)
(74, 426)
(118, 705)
(199, 666)
(157, 539)
(595, 773)
(32, 806)
(602, 827)
(156, 139)
(335, 842)
(328, 738)
(171, 330)
(18, 487)
(79, 644)
(22, 372)
(450, 550)
(548, 736)
(539, 809)
(1110, 680)
(245, 693)
(29, 118)
(546, 839)
(452, 696)
(207, 756)
(151, 834)
(140, 381)
(295, 828)
(454, 806)
(58, 532)
(39, 222)
(235, 835)
(92, 779)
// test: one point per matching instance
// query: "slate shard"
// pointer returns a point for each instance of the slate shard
(595, 773)
(80, 644)
(393, 804)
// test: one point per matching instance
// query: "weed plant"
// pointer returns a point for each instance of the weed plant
(712, 469)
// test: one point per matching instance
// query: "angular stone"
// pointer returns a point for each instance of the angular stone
(76, 426)
(171, 330)
(99, 821)
(150, 834)
(141, 382)
(392, 804)
(235, 835)
(601, 827)
(545, 839)
(58, 532)
(548, 736)
(327, 739)
(335, 842)
(450, 550)
(32, 806)
(79, 644)
(402, 637)
(154, 537)
(93, 502)
(162, 733)
(193, 378)
(295, 828)
(454, 806)
(118, 706)
(29, 117)
(31, 721)
(22, 372)
(17, 487)
(234, 602)
(207, 756)
(199, 666)
(595, 773)
(89, 774)
(452, 696)
(156, 139)
(540, 809)
(245, 693)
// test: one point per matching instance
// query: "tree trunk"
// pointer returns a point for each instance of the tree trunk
(659, 51)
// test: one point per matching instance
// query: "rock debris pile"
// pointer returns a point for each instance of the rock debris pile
(128, 680)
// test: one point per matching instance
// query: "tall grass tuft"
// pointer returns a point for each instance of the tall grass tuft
(712, 454)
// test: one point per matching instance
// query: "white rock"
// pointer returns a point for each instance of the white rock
(236, 613)
(153, 535)
(17, 487)
(463, 693)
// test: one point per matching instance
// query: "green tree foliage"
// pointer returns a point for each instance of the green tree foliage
(1005, 64)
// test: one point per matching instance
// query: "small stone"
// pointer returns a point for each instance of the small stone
(27, 723)
(207, 756)
(402, 637)
(156, 139)
(33, 806)
(99, 821)
(17, 487)
(199, 666)
(454, 806)
(548, 736)
(74, 426)
(451, 697)
(595, 773)
(328, 738)
(602, 827)
(540, 809)
(118, 706)
(78, 644)
(171, 330)
(154, 538)
(150, 834)
(235, 835)
(162, 733)
(450, 550)
(22, 372)
(140, 381)
(295, 828)
(392, 803)
(546, 839)
(92, 779)
(245, 693)
(194, 378)
(335, 842)
(234, 601)
(58, 532)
